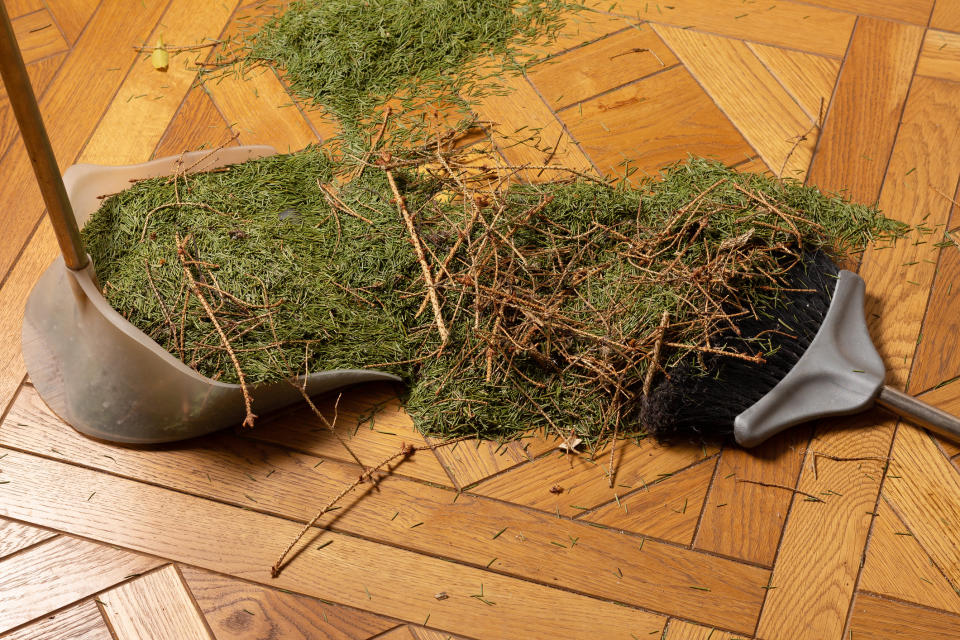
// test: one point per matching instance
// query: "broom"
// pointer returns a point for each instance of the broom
(819, 361)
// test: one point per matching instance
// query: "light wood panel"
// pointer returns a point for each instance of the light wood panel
(421, 633)
(15, 536)
(654, 122)
(238, 610)
(809, 78)
(476, 531)
(680, 630)
(37, 36)
(16, 8)
(916, 12)
(879, 619)
(527, 132)
(71, 108)
(79, 622)
(473, 460)
(579, 28)
(583, 477)
(156, 606)
(197, 125)
(815, 581)
(669, 509)
(742, 519)
(940, 55)
(73, 16)
(789, 24)
(355, 572)
(897, 566)
(60, 571)
(603, 65)
(150, 98)
(946, 15)
(768, 117)
(861, 125)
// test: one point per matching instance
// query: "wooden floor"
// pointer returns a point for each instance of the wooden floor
(103, 541)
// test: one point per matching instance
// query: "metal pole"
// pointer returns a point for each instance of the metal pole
(35, 138)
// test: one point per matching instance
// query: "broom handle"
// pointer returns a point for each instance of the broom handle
(919, 412)
(24, 103)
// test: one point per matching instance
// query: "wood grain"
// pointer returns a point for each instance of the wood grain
(946, 15)
(789, 24)
(580, 27)
(58, 572)
(861, 124)
(652, 123)
(680, 630)
(751, 97)
(809, 78)
(155, 606)
(150, 98)
(71, 107)
(237, 610)
(197, 125)
(897, 566)
(351, 571)
(474, 460)
(916, 11)
(601, 66)
(74, 15)
(880, 619)
(668, 509)
(421, 633)
(940, 55)
(79, 622)
(534, 546)
(733, 502)
(527, 132)
(15, 536)
(583, 477)
(37, 36)
(17, 8)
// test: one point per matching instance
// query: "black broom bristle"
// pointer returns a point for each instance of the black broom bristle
(699, 404)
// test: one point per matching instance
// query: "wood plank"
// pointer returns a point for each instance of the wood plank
(238, 610)
(583, 477)
(41, 74)
(148, 98)
(819, 556)
(652, 123)
(73, 16)
(415, 516)
(370, 419)
(735, 500)
(579, 28)
(924, 489)
(601, 66)
(946, 15)
(809, 78)
(71, 108)
(940, 55)
(475, 460)
(815, 581)
(681, 630)
(668, 510)
(880, 619)
(400, 633)
(17, 8)
(897, 566)
(80, 622)
(15, 536)
(521, 115)
(37, 36)
(768, 117)
(156, 606)
(63, 570)
(421, 633)
(197, 125)
(915, 11)
(788, 24)
(861, 124)
(355, 572)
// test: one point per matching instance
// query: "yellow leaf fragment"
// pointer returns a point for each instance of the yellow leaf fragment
(160, 58)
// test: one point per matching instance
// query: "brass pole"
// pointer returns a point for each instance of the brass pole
(45, 167)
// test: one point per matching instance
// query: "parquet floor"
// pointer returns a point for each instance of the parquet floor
(104, 541)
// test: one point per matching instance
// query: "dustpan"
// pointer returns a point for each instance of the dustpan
(95, 370)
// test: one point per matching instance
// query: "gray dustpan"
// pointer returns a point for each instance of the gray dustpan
(94, 369)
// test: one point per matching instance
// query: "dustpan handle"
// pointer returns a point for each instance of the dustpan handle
(45, 167)
(919, 412)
